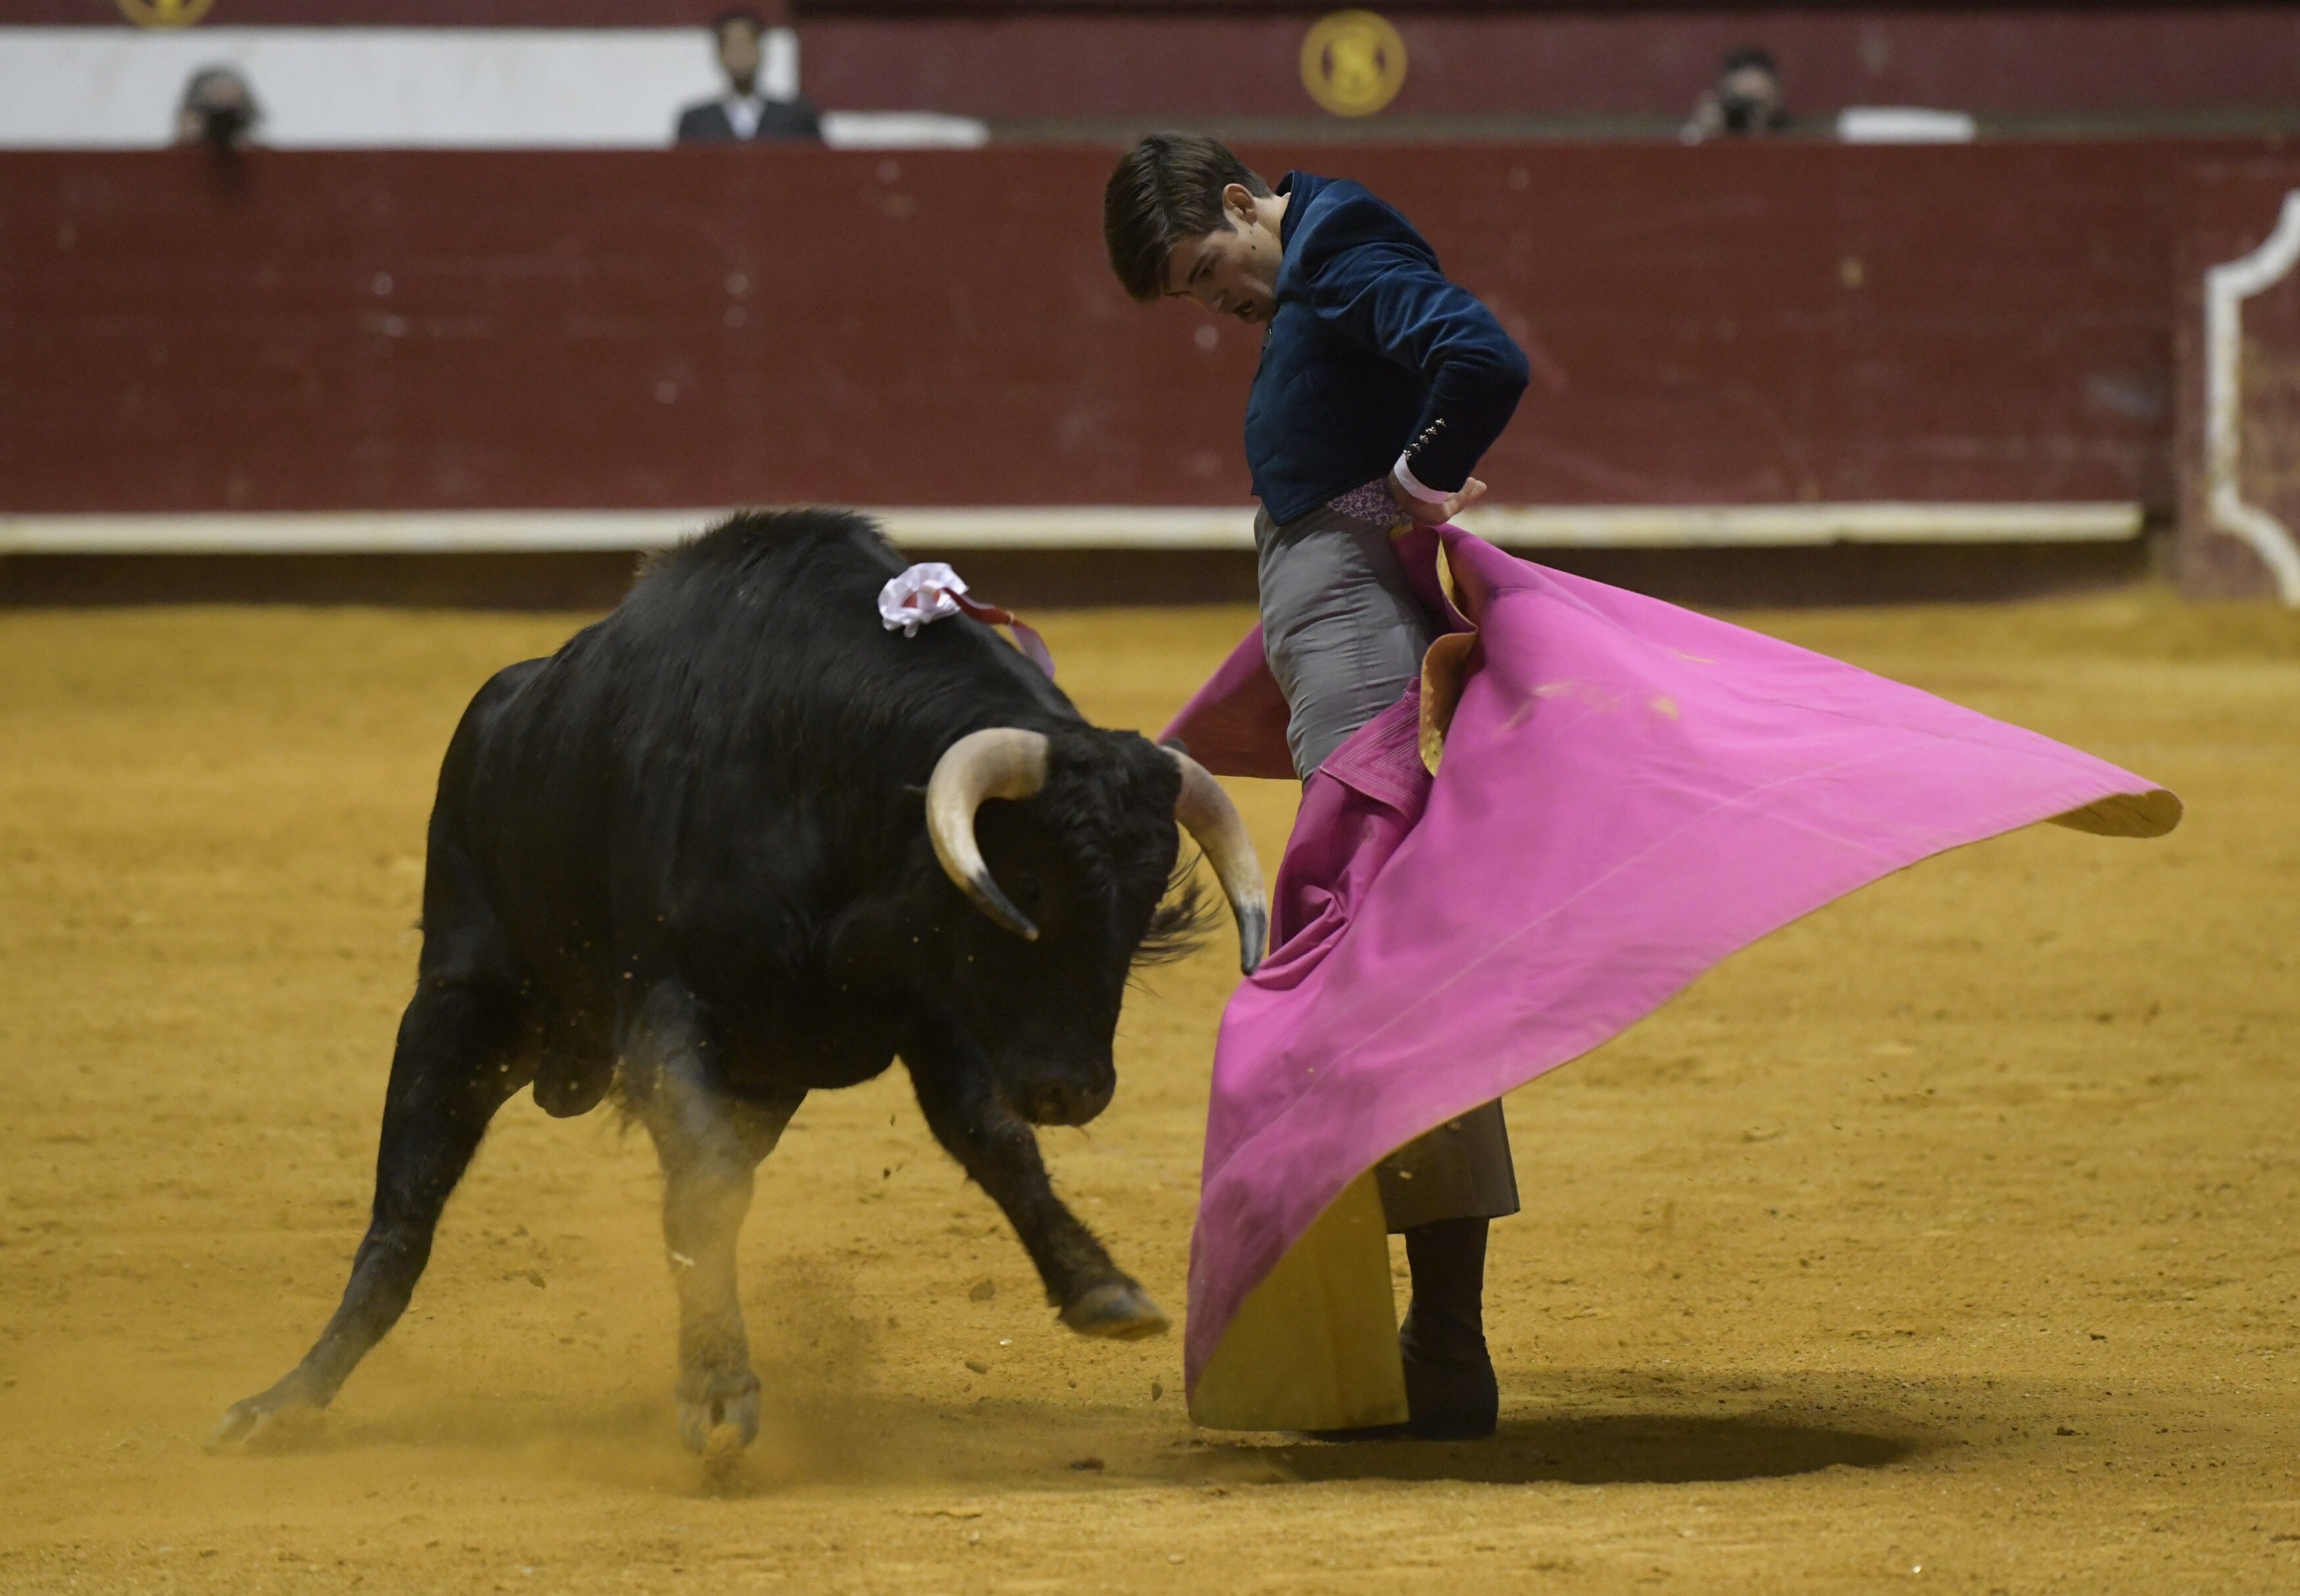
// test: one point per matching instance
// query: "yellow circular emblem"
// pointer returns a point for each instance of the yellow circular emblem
(164, 14)
(1353, 62)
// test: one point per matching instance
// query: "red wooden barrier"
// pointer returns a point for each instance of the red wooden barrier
(417, 330)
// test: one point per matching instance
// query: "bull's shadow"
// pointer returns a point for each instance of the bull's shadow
(1614, 1449)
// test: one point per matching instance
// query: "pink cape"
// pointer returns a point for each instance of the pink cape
(1629, 791)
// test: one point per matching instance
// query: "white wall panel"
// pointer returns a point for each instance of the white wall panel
(338, 88)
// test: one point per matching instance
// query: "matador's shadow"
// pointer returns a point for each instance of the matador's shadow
(1653, 1448)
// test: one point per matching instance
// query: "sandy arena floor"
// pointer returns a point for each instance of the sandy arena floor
(1947, 1237)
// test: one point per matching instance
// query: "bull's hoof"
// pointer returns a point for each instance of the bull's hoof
(723, 1418)
(1117, 1309)
(262, 1420)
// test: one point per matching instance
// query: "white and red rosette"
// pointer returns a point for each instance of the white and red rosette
(932, 591)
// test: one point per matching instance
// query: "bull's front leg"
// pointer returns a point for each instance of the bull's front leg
(710, 1143)
(1000, 1152)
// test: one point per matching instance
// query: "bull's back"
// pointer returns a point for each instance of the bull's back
(755, 659)
(593, 802)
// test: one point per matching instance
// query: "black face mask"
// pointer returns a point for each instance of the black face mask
(1742, 113)
(222, 124)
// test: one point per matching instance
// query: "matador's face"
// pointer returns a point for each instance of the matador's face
(1233, 271)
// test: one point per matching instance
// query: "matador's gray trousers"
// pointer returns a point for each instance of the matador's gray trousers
(1345, 633)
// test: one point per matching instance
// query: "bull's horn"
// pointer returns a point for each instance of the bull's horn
(1002, 761)
(1204, 810)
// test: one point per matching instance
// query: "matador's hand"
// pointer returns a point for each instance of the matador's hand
(1433, 514)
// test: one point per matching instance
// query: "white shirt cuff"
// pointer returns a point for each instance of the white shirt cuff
(1410, 484)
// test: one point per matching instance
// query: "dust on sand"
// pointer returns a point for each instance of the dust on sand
(1952, 1229)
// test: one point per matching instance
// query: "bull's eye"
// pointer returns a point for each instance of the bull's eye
(1026, 890)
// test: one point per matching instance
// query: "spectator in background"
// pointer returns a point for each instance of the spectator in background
(218, 110)
(744, 114)
(1746, 101)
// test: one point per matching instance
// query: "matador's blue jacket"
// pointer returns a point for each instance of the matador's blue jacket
(1370, 355)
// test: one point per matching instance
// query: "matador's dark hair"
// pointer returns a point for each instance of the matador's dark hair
(1165, 190)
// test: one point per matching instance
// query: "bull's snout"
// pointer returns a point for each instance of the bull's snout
(1060, 1099)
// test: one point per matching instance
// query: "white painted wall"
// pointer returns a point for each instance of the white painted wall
(1904, 124)
(338, 88)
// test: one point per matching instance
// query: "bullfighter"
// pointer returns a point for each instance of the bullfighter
(1380, 384)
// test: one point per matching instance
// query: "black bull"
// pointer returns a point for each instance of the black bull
(736, 843)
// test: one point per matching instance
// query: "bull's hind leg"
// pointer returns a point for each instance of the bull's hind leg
(449, 1073)
(1001, 1154)
(710, 1143)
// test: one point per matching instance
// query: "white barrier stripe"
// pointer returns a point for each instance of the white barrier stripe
(1059, 526)
(1747, 525)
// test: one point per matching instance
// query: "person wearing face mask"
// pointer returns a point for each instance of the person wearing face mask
(1381, 384)
(218, 110)
(1746, 101)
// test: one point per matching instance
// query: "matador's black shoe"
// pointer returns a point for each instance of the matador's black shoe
(1451, 1393)
(1450, 1390)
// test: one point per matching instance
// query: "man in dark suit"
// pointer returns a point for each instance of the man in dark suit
(745, 115)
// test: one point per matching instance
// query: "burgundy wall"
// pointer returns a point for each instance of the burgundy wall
(2000, 61)
(428, 329)
(1102, 61)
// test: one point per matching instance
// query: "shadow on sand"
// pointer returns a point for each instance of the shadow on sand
(868, 1437)
(1612, 1448)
